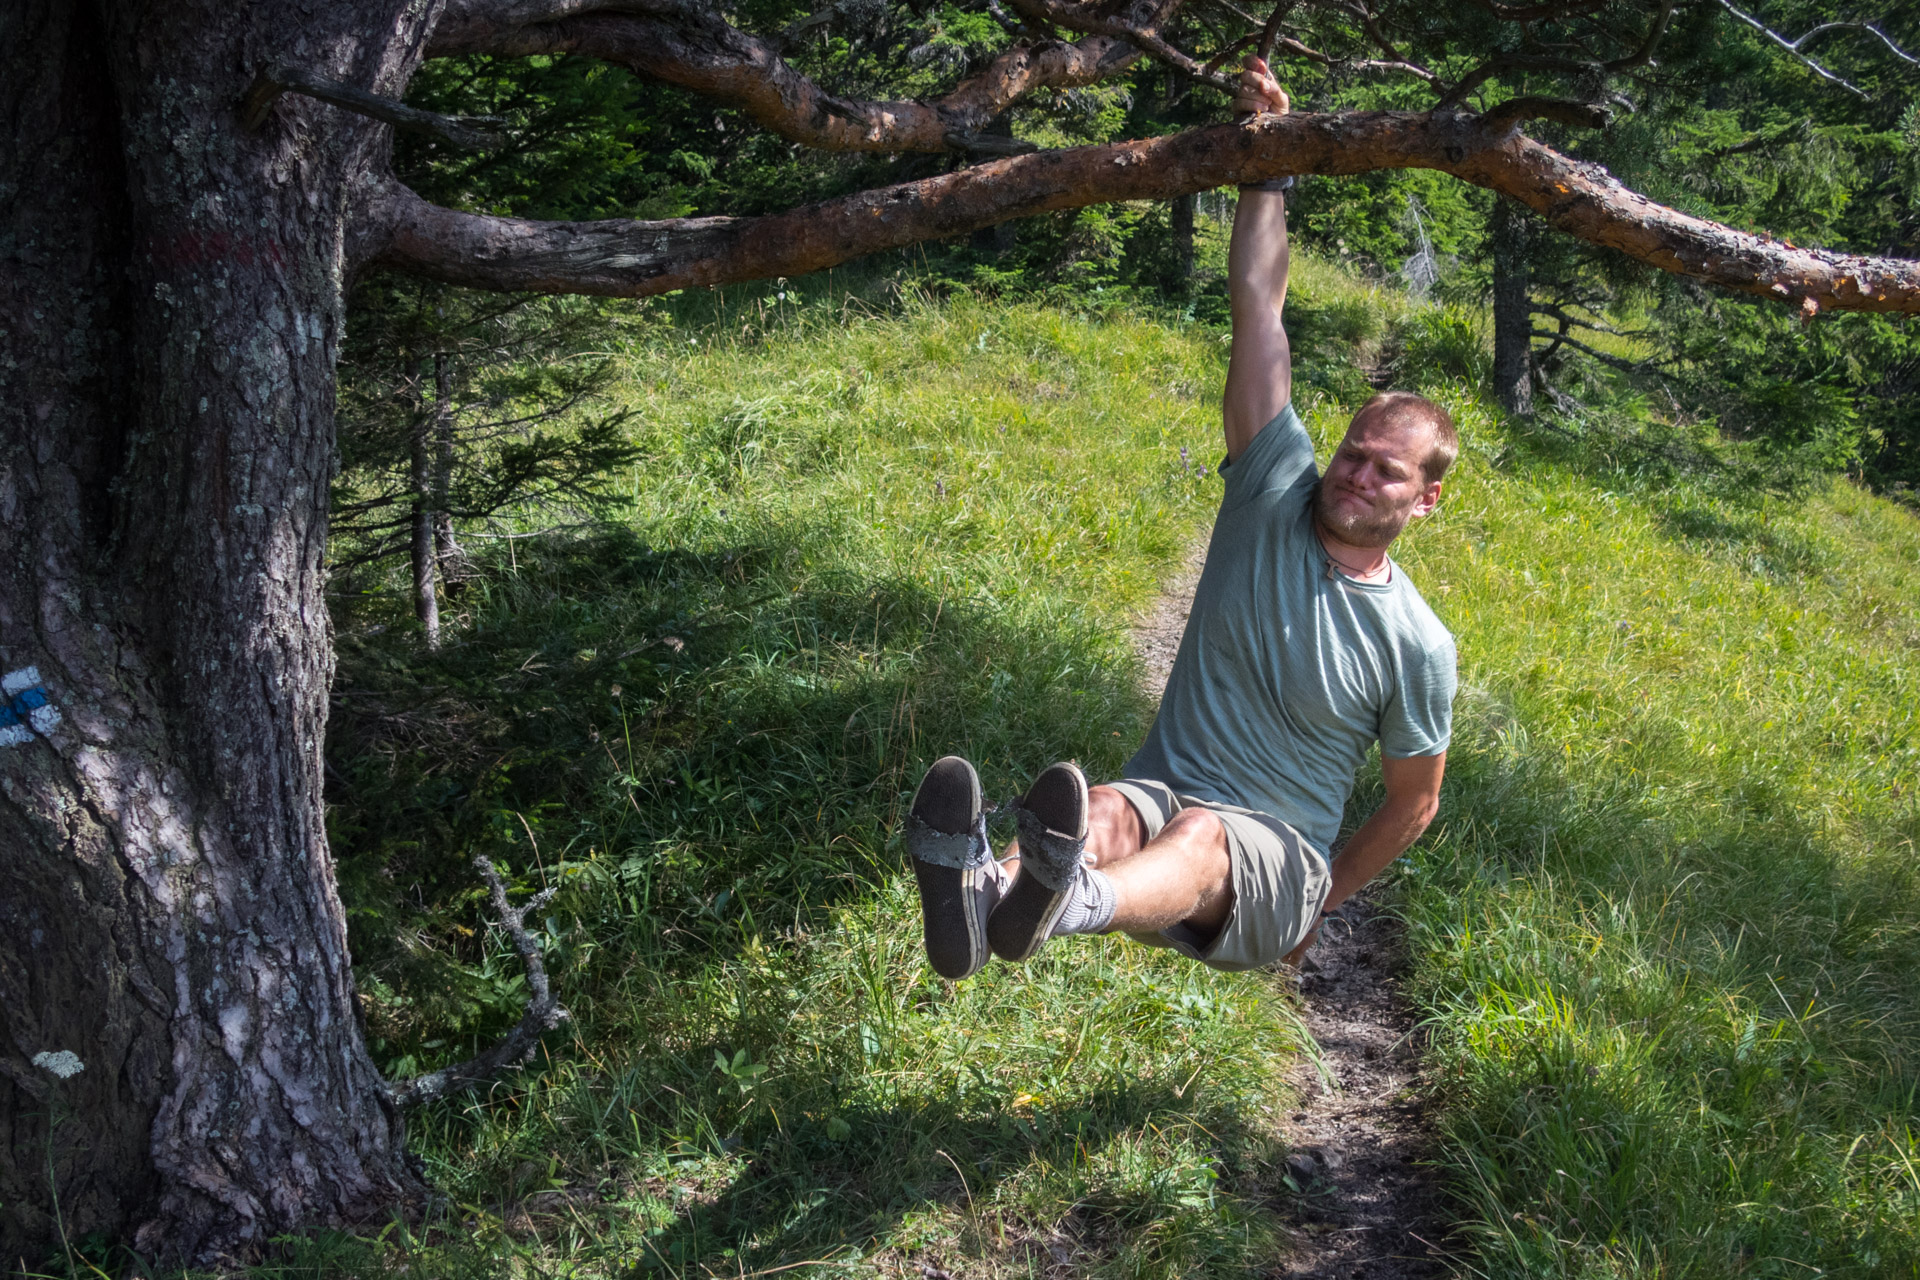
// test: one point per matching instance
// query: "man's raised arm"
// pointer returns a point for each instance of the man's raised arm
(1260, 369)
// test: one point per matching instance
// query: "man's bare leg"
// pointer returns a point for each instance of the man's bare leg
(1182, 875)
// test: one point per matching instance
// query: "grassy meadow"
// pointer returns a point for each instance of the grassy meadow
(1664, 934)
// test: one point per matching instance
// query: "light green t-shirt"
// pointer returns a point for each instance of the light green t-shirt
(1288, 672)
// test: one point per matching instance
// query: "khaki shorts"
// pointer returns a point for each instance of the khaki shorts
(1279, 881)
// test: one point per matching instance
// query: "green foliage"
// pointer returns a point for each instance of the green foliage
(1741, 132)
(526, 421)
(1444, 344)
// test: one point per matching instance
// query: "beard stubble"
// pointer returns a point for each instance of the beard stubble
(1372, 529)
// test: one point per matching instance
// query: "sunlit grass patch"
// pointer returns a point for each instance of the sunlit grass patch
(1665, 926)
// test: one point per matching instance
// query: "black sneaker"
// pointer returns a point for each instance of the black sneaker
(1053, 846)
(960, 883)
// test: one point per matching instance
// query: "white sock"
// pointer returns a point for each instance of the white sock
(1090, 904)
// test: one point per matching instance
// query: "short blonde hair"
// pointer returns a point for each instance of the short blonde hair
(1405, 406)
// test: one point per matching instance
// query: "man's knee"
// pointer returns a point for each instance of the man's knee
(1202, 840)
(1108, 808)
(1197, 827)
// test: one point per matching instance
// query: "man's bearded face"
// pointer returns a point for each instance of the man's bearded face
(1375, 482)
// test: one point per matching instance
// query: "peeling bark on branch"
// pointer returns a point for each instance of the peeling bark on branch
(697, 50)
(639, 259)
(543, 1012)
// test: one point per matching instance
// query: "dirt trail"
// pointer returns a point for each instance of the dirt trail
(1369, 1209)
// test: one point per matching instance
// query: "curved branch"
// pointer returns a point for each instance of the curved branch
(1370, 24)
(1793, 47)
(1270, 32)
(1139, 27)
(469, 133)
(542, 1015)
(696, 49)
(638, 259)
(1514, 111)
(1564, 338)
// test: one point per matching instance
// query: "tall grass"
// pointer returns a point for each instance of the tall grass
(1666, 926)
(1664, 932)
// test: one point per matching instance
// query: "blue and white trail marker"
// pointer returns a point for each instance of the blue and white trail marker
(25, 710)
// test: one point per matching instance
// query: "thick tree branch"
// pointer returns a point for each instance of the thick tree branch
(469, 133)
(543, 1011)
(694, 48)
(636, 259)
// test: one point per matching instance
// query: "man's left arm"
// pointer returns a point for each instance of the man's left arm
(1413, 797)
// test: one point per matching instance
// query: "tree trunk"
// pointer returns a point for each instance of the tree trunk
(1509, 229)
(172, 292)
(426, 606)
(446, 551)
(1180, 260)
(997, 239)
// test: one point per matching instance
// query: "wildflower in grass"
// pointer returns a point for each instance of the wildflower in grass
(63, 1063)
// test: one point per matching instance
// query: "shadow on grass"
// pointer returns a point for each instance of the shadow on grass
(1081, 1184)
(1746, 537)
(717, 740)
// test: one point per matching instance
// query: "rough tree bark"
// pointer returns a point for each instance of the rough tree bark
(1509, 231)
(170, 309)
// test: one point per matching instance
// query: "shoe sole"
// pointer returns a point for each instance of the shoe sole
(1024, 920)
(954, 901)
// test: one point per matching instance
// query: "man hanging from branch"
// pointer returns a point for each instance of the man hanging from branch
(1305, 646)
